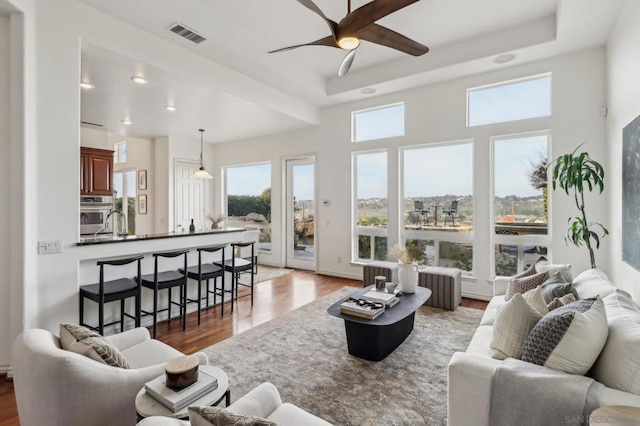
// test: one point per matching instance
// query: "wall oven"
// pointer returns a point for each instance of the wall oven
(94, 212)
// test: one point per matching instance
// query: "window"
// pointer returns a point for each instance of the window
(370, 205)
(120, 155)
(437, 202)
(509, 101)
(124, 185)
(520, 208)
(377, 123)
(248, 193)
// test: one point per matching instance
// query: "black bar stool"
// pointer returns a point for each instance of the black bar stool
(110, 291)
(167, 280)
(206, 271)
(237, 265)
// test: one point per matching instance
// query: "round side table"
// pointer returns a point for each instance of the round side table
(618, 415)
(147, 406)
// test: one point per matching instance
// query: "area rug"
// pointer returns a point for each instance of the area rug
(304, 353)
(265, 273)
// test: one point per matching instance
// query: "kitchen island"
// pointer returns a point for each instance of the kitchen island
(90, 250)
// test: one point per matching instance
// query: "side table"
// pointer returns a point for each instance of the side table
(147, 406)
(619, 415)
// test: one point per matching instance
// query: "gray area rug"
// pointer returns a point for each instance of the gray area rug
(265, 273)
(304, 354)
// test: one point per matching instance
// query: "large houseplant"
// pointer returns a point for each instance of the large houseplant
(574, 173)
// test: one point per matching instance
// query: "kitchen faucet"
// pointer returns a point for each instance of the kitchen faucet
(124, 221)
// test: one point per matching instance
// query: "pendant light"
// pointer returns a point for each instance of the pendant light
(202, 173)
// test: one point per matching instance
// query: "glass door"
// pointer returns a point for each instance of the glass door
(301, 213)
(124, 188)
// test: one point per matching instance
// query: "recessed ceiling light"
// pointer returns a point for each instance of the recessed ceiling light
(86, 85)
(503, 59)
(126, 121)
(171, 108)
(368, 91)
(139, 79)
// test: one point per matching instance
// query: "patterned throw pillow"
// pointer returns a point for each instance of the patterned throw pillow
(524, 284)
(569, 338)
(81, 340)
(514, 320)
(559, 302)
(205, 416)
(556, 286)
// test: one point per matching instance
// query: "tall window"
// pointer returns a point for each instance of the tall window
(124, 185)
(370, 205)
(508, 101)
(437, 202)
(520, 208)
(248, 193)
(120, 154)
(377, 123)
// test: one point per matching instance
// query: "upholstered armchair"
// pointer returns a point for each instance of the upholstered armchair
(54, 386)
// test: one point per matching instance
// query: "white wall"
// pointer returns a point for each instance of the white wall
(94, 138)
(436, 113)
(5, 187)
(623, 89)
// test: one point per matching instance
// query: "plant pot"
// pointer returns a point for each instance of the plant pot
(408, 277)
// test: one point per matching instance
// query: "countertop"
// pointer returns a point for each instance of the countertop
(127, 238)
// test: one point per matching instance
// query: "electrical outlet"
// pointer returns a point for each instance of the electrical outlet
(48, 247)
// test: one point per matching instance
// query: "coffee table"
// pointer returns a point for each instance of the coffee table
(147, 406)
(375, 339)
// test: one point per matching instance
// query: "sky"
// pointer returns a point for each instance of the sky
(379, 123)
(248, 180)
(131, 183)
(303, 182)
(513, 158)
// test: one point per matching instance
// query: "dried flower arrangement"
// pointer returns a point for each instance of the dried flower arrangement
(413, 253)
(215, 221)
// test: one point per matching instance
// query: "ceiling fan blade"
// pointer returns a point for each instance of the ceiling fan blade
(312, 6)
(326, 41)
(369, 13)
(346, 63)
(384, 36)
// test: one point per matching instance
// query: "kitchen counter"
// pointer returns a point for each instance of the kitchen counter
(128, 238)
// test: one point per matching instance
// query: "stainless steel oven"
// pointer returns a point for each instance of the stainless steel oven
(94, 212)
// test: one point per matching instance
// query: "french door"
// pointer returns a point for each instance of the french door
(300, 214)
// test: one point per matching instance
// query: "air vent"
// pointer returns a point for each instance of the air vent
(187, 33)
(91, 124)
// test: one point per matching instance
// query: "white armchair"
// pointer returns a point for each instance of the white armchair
(58, 387)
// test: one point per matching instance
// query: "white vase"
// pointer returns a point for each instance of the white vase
(408, 277)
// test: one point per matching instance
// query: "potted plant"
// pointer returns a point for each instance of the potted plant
(574, 173)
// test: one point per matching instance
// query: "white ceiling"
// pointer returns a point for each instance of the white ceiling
(464, 37)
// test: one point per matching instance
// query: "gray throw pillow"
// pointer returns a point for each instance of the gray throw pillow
(556, 286)
(83, 341)
(205, 416)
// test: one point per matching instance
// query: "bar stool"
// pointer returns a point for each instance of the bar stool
(206, 271)
(110, 291)
(237, 265)
(167, 280)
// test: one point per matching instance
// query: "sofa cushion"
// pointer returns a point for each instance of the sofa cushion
(524, 284)
(618, 365)
(206, 416)
(535, 299)
(556, 286)
(514, 321)
(569, 338)
(150, 352)
(81, 340)
(592, 283)
(289, 414)
(490, 312)
(559, 302)
(480, 342)
(543, 265)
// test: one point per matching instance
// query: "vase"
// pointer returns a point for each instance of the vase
(408, 277)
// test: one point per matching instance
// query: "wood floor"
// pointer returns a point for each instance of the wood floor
(272, 299)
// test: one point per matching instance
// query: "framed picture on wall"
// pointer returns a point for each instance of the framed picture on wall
(142, 179)
(631, 193)
(142, 204)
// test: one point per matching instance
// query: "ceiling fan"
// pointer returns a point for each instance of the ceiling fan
(360, 25)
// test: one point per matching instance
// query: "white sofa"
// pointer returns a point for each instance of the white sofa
(263, 401)
(54, 386)
(470, 372)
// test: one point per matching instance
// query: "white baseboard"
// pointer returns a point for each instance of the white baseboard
(339, 274)
(6, 369)
(476, 296)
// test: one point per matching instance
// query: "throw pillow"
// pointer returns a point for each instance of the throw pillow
(524, 284)
(535, 299)
(84, 341)
(559, 302)
(618, 366)
(543, 265)
(205, 416)
(514, 320)
(569, 338)
(556, 286)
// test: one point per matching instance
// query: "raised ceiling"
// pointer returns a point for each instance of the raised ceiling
(464, 37)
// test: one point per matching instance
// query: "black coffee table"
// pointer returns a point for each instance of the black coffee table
(375, 339)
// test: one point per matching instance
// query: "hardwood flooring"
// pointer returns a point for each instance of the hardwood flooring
(271, 299)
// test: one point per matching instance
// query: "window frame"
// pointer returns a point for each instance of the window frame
(378, 108)
(117, 157)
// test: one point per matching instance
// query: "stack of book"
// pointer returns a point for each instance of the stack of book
(358, 310)
(389, 299)
(176, 401)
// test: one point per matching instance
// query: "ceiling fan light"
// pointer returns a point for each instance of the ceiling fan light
(348, 42)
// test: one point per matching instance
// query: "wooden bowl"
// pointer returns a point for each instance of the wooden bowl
(182, 372)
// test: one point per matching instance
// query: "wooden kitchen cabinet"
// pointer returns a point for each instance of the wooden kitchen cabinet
(96, 171)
